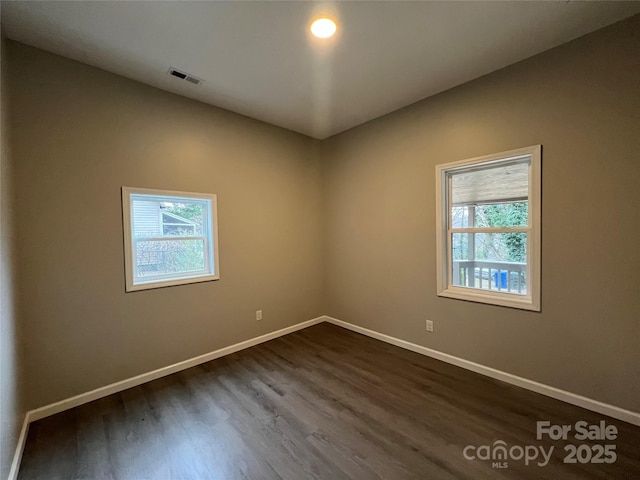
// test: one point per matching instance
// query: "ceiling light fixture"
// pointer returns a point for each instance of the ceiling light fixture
(323, 28)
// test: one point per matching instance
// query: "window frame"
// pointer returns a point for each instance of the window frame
(445, 288)
(209, 236)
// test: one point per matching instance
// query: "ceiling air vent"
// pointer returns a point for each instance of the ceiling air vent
(174, 72)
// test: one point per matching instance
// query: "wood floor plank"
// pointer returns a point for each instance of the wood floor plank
(321, 403)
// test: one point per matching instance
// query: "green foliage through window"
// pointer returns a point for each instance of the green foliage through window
(506, 215)
(190, 211)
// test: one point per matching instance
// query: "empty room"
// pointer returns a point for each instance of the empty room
(296, 240)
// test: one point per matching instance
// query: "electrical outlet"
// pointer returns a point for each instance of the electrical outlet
(258, 315)
(429, 325)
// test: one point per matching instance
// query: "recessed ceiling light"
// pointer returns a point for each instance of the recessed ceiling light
(323, 28)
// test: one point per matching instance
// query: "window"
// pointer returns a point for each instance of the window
(170, 238)
(488, 227)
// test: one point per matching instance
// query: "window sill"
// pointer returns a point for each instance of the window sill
(523, 302)
(171, 283)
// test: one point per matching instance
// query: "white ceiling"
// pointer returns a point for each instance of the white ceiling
(257, 58)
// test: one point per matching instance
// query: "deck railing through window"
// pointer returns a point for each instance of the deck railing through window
(501, 276)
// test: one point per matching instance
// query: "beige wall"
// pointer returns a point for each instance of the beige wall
(12, 407)
(580, 101)
(79, 135)
(343, 227)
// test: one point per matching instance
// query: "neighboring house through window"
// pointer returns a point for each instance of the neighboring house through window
(176, 225)
(488, 224)
(170, 238)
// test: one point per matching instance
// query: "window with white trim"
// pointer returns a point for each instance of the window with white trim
(170, 238)
(488, 229)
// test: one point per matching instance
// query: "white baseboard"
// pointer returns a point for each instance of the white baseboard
(17, 457)
(572, 398)
(101, 392)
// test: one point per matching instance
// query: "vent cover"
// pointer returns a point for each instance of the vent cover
(174, 72)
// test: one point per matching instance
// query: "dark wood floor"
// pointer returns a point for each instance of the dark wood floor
(320, 403)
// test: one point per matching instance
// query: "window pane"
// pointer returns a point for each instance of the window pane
(490, 261)
(491, 184)
(145, 216)
(152, 217)
(169, 218)
(172, 230)
(493, 215)
(187, 216)
(502, 215)
(169, 256)
(460, 217)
